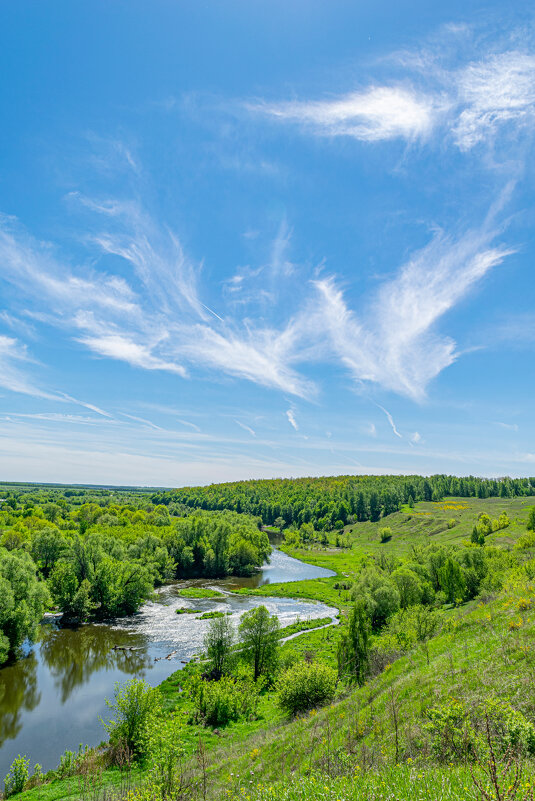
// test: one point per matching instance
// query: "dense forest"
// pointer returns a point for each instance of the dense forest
(100, 553)
(332, 502)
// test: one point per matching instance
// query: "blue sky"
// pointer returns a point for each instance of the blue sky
(255, 239)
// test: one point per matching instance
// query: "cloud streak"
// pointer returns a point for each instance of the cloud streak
(466, 105)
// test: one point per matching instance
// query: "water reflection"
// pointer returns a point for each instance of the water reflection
(73, 654)
(52, 699)
(18, 692)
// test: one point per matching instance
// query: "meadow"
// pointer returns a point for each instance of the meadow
(449, 715)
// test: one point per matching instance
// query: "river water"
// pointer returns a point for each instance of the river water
(51, 699)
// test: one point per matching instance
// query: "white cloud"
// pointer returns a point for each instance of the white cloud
(507, 426)
(416, 438)
(391, 421)
(12, 375)
(291, 419)
(470, 103)
(246, 428)
(118, 346)
(374, 114)
(495, 91)
(395, 344)
(261, 356)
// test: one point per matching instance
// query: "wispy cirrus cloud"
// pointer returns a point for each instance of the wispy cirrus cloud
(467, 103)
(493, 93)
(374, 114)
(245, 427)
(394, 343)
(290, 415)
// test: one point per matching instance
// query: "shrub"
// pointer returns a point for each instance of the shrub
(452, 737)
(452, 523)
(17, 776)
(385, 534)
(220, 702)
(510, 729)
(136, 705)
(304, 686)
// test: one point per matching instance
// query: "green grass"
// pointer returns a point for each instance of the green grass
(387, 784)
(182, 610)
(199, 592)
(210, 615)
(484, 649)
(481, 652)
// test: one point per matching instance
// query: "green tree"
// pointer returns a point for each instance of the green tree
(47, 547)
(531, 518)
(218, 643)
(408, 585)
(259, 632)
(354, 645)
(452, 580)
(23, 599)
(135, 708)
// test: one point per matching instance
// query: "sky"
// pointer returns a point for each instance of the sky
(265, 238)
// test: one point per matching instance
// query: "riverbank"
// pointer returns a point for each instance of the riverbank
(62, 683)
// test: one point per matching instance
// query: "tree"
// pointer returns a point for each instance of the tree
(354, 645)
(452, 580)
(426, 624)
(135, 706)
(47, 547)
(409, 586)
(531, 518)
(23, 599)
(259, 633)
(218, 643)
(279, 523)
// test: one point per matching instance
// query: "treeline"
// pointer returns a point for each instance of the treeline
(96, 562)
(325, 502)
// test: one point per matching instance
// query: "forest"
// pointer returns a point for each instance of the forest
(331, 502)
(99, 554)
(418, 689)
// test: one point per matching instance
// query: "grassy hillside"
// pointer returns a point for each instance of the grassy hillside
(417, 728)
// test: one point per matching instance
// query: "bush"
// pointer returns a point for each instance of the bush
(385, 534)
(220, 702)
(304, 686)
(135, 707)
(17, 776)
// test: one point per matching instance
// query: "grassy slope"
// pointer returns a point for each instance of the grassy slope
(476, 656)
(484, 650)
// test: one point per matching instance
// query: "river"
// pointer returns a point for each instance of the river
(52, 698)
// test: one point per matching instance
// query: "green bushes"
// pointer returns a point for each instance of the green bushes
(220, 702)
(458, 732)
(306, 685)
(385, 534)
(17, 776)
(135, 707)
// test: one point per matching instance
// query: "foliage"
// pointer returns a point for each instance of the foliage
(217, 703)
(306, 685)
(165, 750)
(199, 592)
(325, 501)
(259, 640)
(354, 645)
(135, 709)
(218, 644)
(17, 776)
(23, 599)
